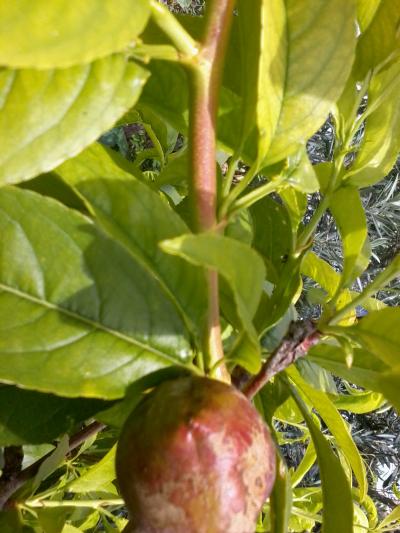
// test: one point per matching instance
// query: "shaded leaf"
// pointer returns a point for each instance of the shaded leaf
(137, 216)
(52, 462)
(49, 116)
(104, 319)
(281, 497)
(32, 417)
(273, 237)
(238, 264)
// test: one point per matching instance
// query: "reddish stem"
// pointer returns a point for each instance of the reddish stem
(299, 339)
(205, 81)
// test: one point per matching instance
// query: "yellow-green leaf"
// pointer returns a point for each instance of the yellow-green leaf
(49, 116)
(336, 425)
(366, 10)
(336, 492)
(348, 211)
(379, 333)
(43, 34)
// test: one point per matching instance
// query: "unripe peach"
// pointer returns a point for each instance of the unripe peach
(195, 457)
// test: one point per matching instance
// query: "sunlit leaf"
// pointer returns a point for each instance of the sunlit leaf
(366, 10)
(337, 499)
(49, 116)
(380, 39)
(379, 333)
(97, 476)
(43, 34)
(336, 425)
(350, 218)
(366, 370)
(289, 89)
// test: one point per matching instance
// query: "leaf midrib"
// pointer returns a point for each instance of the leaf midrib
(79, 318)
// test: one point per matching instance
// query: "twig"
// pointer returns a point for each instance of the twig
(299, 339)
(10, 486)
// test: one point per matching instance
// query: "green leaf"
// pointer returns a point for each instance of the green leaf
(285, 293)
(32, 417)
(336, 425)
(296, 205)
(394, 516)
(366, 10)
(232, 260)
(379, 333)
(97, 476)
(281, 497)
(359, 402)
(167, 93)
(380, 144)
(316, 376)
(273, 237)
(308, 460)
(52, 520)
(49, 116)
(104, 319)
(51, 34)
(366, 370)
(52, 462)
(241, 227)
(139, 218)
(336, 491)
(322, 272)
(289, 91)
(349, 214)
(176, 171)
(380, 39)
(300, 173)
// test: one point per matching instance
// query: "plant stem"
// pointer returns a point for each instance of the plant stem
(240, 187)
(9, 487)
(94, 504)
(299, 339)
(170, 25)
(205, 80)
(257, 194)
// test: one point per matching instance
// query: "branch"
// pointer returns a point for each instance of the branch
(299, 339)
(9, 486)
(205, 81)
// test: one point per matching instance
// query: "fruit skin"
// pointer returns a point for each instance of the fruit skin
(195, 457)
